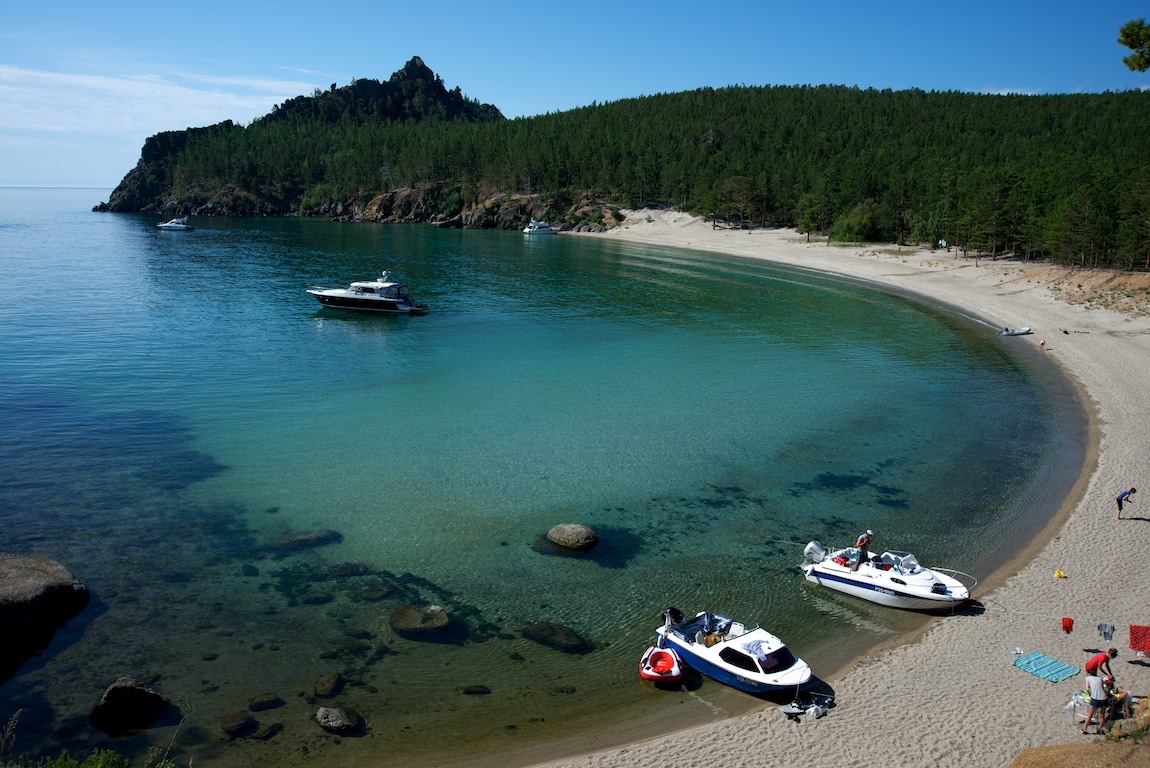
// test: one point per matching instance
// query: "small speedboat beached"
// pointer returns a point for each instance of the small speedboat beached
(537, 227)
(379, 295)
(1015, 331)
(660, 665)
(177, 224)
(750, 659)
(893, 578)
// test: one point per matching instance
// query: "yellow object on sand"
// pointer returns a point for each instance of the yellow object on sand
(1060, 574)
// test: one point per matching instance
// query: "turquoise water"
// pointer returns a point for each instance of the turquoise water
(171, 403)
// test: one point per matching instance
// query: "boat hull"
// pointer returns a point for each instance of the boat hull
(366, 304)
(727, 676)
(886, 593)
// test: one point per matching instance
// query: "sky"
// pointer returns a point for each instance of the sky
(83, 84)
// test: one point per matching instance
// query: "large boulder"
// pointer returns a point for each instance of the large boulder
(129, 705)
(573, 537)
(37, 596)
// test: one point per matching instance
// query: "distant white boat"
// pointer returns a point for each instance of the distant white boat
(180, 223)
(537, 227)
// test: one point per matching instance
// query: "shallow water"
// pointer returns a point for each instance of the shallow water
(171, 403)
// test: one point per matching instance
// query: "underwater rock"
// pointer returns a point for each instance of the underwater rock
(415, 620)
(344, 721)
(329, 685)
(129, 705)
(375, 592)
(239, 725)
(265, 701)
(572, 536)
(292, 542)
(557, 636)
(317, 598)
(476, 690)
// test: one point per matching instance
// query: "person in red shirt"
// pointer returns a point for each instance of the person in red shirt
(1100, 662)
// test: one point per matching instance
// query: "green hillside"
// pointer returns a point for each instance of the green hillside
(1063, 177)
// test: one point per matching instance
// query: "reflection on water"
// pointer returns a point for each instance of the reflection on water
(253, 486)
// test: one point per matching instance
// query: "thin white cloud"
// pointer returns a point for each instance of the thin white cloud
(40, 101)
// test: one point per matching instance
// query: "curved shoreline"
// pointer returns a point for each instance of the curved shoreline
(957, 675)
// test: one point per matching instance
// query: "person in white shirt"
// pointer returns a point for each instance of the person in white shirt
(1099, 702)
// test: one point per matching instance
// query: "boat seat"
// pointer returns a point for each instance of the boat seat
(736, 629)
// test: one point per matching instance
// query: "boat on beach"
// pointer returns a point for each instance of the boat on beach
(750, 659)
(1015, 331)
(894, 578)
(379, 295)
(537, 227)
(176, 224)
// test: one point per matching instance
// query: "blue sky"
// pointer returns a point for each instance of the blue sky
(82, 84)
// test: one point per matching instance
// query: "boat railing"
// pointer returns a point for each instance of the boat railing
(960, 576)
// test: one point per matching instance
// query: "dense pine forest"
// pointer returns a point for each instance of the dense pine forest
(1064, 178)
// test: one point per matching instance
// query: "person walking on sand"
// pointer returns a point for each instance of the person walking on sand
(1124, 498)
(861, 544)
(1099, 702)
(1100, 662)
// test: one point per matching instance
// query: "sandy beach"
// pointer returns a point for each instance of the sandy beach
(951, 694)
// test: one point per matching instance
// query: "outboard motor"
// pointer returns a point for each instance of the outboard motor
(814, 552)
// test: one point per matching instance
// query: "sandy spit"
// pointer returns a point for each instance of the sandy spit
(951, 695)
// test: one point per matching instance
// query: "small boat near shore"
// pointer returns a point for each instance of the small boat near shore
(893, 578)
(661, 665)
(750, 659)
(1015, 331)
(379, 295)
(537, 227)
(177, 224)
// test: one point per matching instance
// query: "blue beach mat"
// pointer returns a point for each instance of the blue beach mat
(1045, 667)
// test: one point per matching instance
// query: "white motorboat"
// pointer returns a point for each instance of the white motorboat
(537, 227)
(379, 295)
(748, 658)
(1015, 331)
(893, 578)
(180, 223)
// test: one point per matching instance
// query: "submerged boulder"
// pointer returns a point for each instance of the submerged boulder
(344, 721)
(294, 542)
(557, 636)
(573, 537)
(416, 620)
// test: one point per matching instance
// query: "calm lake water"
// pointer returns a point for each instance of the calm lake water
(172, 403)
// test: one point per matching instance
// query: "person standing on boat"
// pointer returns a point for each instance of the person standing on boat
(861, 544)
(1124, 498)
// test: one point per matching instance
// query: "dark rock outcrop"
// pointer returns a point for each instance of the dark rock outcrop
(573, 537)
(265, 701)
(37, 596)
(129, 705)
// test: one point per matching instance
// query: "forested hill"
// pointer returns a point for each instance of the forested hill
(1064, 177)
